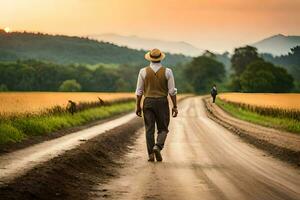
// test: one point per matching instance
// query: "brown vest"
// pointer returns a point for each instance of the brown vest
(155, 84)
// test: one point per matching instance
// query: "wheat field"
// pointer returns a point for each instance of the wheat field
(282, 101)
(12, 103)
(34, 102)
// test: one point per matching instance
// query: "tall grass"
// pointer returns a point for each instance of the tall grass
(268, 110)
(20, 127)
(12, 103)
(264, 116)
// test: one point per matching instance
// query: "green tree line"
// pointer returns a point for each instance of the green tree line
(250, 74)
(32, 75)
(290, 61)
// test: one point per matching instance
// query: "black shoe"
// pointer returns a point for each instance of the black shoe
(157, 150)
(151, 157)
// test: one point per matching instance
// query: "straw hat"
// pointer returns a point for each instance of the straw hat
(155, 55)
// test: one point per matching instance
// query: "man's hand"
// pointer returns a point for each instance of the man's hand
(174, 112)
(138, 111)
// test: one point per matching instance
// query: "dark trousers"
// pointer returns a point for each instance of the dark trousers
(156, 111)
(214, 98)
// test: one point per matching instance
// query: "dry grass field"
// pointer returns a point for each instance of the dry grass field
(26, 114)
(34, 102)
(12, 103)
(273, 110)
(283, 101)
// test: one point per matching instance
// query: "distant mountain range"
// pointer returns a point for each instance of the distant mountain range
(277, 44)
(68, 50)
(148, 43)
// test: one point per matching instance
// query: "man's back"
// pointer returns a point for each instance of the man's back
(156, 82)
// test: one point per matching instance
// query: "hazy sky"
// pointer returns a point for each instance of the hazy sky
(208, 24)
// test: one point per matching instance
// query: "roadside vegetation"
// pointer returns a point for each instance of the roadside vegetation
(284, 119)
(273, 103)
(15, 103)
(19, 127)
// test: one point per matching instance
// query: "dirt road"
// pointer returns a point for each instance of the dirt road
(19, 162)
(202, 160)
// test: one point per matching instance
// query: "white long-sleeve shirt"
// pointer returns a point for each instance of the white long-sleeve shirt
(155, 67)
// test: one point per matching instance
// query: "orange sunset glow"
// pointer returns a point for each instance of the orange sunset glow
(218, 25)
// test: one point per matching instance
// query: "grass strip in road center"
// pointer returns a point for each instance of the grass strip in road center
(19, 128)
(283, 123)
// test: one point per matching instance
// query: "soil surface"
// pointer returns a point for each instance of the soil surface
(202, 160)
(19, 162)
(72, 175)
(281, 144)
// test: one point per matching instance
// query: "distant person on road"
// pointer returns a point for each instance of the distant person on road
(156, 82)
(214, 92)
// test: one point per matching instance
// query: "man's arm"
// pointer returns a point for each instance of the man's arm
(139, 93)
(172, 92)
(138, 110)
(174, 109)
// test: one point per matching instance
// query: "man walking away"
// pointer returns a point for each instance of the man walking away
(214, 92)
(156, 82)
